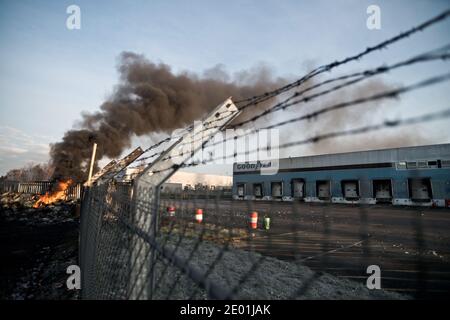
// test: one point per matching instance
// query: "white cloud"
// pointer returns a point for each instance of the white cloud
(12, 150)
(17, 148)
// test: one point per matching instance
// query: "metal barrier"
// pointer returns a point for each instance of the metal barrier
(39, 188)
(306, 250)
(139, 243)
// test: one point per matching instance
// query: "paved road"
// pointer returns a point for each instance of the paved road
(410, 244)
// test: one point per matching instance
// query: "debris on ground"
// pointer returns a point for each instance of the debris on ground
(24, 200)
(36, 247)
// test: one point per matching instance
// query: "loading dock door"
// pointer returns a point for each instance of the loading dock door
(240, 190)
(350, 189)
(420, 189)
(323, 189)
(277, 190)
(298, 187)
(382, 189)
(257, 190)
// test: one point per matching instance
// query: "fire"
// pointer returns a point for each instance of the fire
(51, 197)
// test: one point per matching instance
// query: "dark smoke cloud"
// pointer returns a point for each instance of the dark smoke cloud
(150, 98)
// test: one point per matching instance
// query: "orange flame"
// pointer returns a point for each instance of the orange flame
(51, 197)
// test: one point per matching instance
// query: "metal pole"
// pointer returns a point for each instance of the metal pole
(91, 168)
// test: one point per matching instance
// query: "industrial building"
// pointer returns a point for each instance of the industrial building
(401, 176)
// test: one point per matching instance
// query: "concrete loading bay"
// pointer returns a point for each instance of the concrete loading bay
(410, 244)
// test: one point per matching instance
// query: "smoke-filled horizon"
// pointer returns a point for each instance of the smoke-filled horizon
(150, 98)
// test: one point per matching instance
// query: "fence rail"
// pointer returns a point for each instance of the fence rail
(38, 188)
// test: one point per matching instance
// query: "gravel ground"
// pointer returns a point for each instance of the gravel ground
(272, 279)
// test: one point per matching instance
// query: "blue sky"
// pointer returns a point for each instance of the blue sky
(49, 74)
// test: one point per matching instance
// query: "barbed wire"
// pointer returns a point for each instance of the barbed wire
(387, 94)
(433, 55)
(124, 223)
(360, 76)
(315, 114)
(179, 136)
(433, 116)
(328, 67)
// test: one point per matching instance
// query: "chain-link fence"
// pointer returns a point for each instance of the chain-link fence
(206, 247)
(141, 242)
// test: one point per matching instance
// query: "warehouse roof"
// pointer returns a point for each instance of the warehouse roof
(428, 152)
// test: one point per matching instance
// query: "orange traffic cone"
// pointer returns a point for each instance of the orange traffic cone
(199, 215)
(254, 220)
(171, 211)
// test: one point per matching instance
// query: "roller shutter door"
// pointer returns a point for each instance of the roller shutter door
(323, 189)
(298, 188)
(277, 189)
(257, 190)
(351, 189)
(420, 189)
(240, 190)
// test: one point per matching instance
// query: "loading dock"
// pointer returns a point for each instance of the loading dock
(420, 189)
(277, 189)
(323, 189)
(382, 190)
(350, 189)
(258, 190)
(241, 190)
(415, 176)
(298, 189)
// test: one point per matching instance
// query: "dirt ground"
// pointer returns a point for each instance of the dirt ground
(36, 247)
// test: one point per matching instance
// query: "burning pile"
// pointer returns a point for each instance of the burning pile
(54, 196)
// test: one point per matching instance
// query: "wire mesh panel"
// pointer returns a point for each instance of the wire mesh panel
(295, 250)
(315, 229)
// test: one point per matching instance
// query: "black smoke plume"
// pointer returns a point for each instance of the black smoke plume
(150, 98)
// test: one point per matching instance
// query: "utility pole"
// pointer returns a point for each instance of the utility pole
(91, 168)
